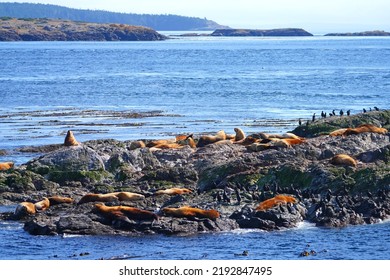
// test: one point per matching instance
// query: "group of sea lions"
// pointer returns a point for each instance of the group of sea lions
(30, 208)
(257, 142)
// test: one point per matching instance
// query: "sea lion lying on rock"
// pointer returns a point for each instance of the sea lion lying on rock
(173, 191)
(55, 200)
(42, 205)
(6, 165)
(272, 202)
(343, 159)
(132, 213)
(360, 129)
(191, 212)
(210, 139)
(111, 197)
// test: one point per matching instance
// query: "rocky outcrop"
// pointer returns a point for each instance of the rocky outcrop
(63, 30)
(227, 177)
(261, 32)
(364, 33)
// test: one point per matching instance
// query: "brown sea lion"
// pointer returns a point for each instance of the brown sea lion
(42, 205)
(129, 196)
(240, 134)
(365, 128)
(6, 165)
(55, 200)
(249, 140)
(272, 202)
(173, 191)
(24, 208)
(130, 212)
(343, 159)
(93, 197)
(137, 145)
(191, 212)
(70, 140)
(338, 132)
(210, 139)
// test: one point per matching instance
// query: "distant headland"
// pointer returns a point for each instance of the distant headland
(12, 29)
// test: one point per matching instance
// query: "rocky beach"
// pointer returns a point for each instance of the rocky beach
(112, 187)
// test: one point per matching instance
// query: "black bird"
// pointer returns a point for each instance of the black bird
(219, 197)
(348, 112)
(376, 108)
(313, 118)
(225, 196)
(341, 112)
(364, 110)
(333, 113)
(238, 196)
(322, 114)
(300, 122)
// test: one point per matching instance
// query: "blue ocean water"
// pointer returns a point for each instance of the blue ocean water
(187, 85)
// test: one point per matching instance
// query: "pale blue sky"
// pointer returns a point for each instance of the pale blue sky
(316, 16)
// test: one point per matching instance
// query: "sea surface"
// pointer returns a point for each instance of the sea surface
(143, 90)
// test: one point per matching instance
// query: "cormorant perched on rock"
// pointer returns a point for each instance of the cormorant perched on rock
(364, 110)
(348, 112)
(341, 112)
(313, 118)
(300, 122)
(333, 113)
(226, 196)
(376, 108)
(238, 196)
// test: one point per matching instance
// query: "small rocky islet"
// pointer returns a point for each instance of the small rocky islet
(207, 183)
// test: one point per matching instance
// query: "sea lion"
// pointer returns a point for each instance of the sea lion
(188, 140)
(343, 159)
(210, 139)
(338, 132)
(287, 135)
(93, 197)
(365, 128)
(173, 191)
(191, 212)
(160, 142)
(137, 145)
(129, 196)
(277, 200)
(55, 200)
(70, 140)
(240, 134)
(132, 213)
(6, 165)
(249, 140)
(42, 205)
(24, 208)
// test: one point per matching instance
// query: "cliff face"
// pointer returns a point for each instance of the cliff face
(261, 32)
(61, 30)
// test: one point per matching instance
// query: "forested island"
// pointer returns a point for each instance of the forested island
(12, 29)
(156, 22)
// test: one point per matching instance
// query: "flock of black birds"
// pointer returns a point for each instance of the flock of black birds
(333, 113)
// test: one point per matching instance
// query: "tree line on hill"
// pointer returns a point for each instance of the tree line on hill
(157, 22)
